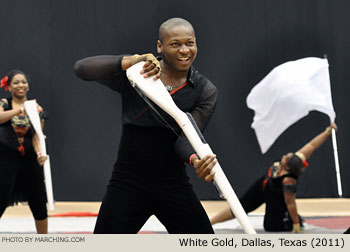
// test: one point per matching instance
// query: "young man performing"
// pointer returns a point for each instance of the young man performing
(149, 176)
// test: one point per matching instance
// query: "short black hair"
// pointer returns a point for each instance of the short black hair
(172, 22)
(12, 74)
(295, 165)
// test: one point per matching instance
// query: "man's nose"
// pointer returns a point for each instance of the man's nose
(184, 49)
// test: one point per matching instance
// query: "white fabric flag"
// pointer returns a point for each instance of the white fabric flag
(287, 94)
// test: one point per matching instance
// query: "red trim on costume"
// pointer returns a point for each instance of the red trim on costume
(264, 183)
(183, 85)
(269, 173)
(21, 149)
(305, 163)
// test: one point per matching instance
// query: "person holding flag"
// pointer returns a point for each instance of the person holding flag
(277, 188)
(21, 174)
(278, 102)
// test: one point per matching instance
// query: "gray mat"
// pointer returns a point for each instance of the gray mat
(86, 225)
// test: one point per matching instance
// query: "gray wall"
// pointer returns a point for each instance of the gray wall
(239, 42)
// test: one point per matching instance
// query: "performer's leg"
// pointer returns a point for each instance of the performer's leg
(5, 192)
(41, 226)
(36, 193)
(276, 220)
(181, 212)
(224, 215)
(250, 200)
(123, 211)
(7, 181)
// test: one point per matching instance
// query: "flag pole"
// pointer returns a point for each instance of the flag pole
(336, 160)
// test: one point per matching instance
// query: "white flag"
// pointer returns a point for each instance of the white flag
(287, 94)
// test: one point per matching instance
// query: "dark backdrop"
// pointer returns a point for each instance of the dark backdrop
(239, 43)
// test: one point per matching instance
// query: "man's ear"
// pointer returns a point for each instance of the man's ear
(159, 47)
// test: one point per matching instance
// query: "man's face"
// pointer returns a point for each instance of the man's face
(179, 48)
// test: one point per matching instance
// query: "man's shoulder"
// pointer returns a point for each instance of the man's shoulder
(199, 79)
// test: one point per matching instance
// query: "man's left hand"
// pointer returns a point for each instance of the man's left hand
(205, 166)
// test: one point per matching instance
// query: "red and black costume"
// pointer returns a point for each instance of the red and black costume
(270, 189)
(21, 177)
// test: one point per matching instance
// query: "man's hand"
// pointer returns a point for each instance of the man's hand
(204, 167)
(150, 68)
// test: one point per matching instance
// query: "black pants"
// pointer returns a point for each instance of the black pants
(125, 211)
(149, 179)
(21, 179)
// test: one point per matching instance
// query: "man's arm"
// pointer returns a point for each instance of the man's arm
(107, 69)
(201, 114)
(103, 67)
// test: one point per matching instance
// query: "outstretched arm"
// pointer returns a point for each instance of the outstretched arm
(107, 67)
(317, 141)
(103, 67)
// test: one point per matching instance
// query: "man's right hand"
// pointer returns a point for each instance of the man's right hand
(150, 68)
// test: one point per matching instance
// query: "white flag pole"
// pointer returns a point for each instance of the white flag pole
(336, 160)
(32, 112)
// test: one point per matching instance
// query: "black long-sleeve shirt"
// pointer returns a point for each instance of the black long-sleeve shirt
(197, 97)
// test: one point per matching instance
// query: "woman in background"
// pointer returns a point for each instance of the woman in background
(21, 174)
(278, 189)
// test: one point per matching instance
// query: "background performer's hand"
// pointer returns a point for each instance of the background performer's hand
(296, 228)
(41, 159)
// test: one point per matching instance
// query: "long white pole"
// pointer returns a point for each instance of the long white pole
(336, 160)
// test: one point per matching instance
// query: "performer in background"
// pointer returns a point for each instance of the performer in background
(149, 176)
(21, 174)
(278, 189)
